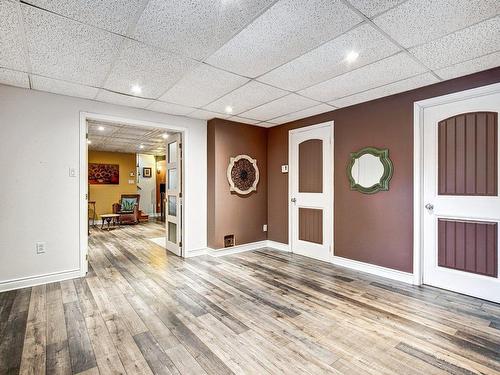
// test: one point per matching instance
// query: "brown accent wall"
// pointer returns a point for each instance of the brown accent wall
(378, 228)
(230, 213)
(469, 246)
(467, 154)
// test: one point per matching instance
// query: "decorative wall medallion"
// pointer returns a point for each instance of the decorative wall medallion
(243, 174)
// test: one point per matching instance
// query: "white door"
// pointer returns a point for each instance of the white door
(174, 194)
(311, 190)
(460, 195)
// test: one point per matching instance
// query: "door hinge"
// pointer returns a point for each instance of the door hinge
(87, 257)
(180, 243)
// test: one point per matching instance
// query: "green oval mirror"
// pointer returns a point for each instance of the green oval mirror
(370, 170)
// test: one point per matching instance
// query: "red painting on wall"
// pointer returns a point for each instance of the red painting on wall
(104, 174)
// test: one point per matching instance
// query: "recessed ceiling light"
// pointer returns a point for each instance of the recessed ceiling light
(141, 146)
(136, 89)
(100, 128)
(229, 109)
(351, 56)
(89, 141)
(165, 136)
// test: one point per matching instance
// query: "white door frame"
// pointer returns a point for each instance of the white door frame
(83, 181)
(418, 175)
(299, 130)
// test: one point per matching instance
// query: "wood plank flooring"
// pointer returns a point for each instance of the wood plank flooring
(143, 311)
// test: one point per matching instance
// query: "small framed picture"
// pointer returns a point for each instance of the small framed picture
(146, 172)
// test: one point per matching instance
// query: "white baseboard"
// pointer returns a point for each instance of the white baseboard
(373, 269)
(38, 280)
(237, 249)
(278, 246)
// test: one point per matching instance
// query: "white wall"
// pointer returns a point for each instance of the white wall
(147, 186)
(39, 142)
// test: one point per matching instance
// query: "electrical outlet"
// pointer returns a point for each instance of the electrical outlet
(40, 247)
(284, 168)
(72, 172)
(264, 228)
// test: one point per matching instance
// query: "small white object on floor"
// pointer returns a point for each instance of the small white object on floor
(161, 241)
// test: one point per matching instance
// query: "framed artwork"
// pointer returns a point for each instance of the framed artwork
(242, 174)
(104, 174)
(146, 172)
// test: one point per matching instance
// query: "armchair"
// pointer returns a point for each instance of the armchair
(128, 208)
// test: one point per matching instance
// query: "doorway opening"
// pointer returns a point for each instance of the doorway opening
(132, 178)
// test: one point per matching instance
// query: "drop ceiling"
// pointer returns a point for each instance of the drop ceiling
(270, 61)
(114, 137)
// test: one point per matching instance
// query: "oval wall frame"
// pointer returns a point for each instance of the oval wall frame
(242, 174)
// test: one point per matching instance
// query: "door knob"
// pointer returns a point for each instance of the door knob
(429, 206)
(293, 200)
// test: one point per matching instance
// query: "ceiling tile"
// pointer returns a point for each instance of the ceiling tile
(286, 30)
(322, 108)
(11, 44)
(380, 73)
(171, 108)
(14, 78)
(371, 8)
(61, 87)
(130, 101)
(471, 66)
(480, 39)
(418, 21)
(390, 89)
(279, 107)
(206, 115)
(195, 28)
(202, 86)
(152, 69)
(328, 60)
(244, 120)
(246, 97)
(112, 15)
(66, 49)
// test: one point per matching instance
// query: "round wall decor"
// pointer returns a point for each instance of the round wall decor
(243, 174)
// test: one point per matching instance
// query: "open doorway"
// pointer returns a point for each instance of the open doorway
(133, 182)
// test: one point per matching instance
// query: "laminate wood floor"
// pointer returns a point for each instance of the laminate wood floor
(142, 311)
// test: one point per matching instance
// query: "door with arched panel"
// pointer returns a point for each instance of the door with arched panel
(311, 191)
(460, 192)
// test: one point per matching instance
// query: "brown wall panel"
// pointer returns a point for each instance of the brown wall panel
(386, 217)
(469, 246)
(311, 166)
(230, 213)
(311, 225)
(467, 154)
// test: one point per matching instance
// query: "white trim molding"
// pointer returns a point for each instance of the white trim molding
(31, 281)
(278, 246)
(373, 269)
(418, 152)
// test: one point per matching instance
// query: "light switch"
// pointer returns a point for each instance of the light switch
(284, 168)
(72, 172)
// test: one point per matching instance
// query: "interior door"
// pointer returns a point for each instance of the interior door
(462, 206)
(173, 213)
(311, 191)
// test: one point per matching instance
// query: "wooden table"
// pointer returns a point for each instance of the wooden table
(113, 219)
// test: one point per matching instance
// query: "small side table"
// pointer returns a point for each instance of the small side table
(110, 219)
